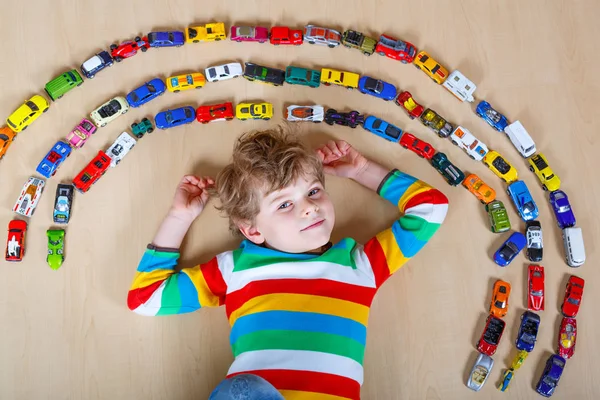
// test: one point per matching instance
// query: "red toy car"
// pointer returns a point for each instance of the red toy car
(129, 48)
(406, 101)
(573, 296)
(285, 35)
(15, 243)
(215, 112)
(567, 336)
(92, 172)
(396, 49)
(421, 148)
(536, 288)
(494, 327)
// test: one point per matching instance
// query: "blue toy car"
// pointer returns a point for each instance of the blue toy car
(172, 118)
(62, 203)
(520, 195)
(551, 375)
(96, 64)
(562, 209)
(383, 129)
(148, 91)
(166, 39)
(530, 323)
(509, 249)
(377, 88)
(491, 116)
(55, 157)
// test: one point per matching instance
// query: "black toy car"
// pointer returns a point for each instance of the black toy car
(62, 203)
(351, 119)
(535, 243)
(269, 75)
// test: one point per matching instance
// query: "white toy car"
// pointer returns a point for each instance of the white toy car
(109, 111)
(120, 148)
(30, 195)
(305, 113)
(323, 36)
(223, 72)
(520, 138)
(480, 372)
(460, 86)
(469, 143)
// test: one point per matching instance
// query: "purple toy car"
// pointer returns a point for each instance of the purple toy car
(551, 375)
(351, 119)
(562, 209)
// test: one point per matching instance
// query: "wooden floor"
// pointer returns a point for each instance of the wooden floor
(68, 334)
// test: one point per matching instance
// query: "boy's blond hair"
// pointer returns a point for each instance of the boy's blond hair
(263, 162)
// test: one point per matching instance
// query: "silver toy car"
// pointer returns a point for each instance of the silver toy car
(480, 372)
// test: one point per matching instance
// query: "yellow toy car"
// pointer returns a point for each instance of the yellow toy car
(177, 83)
(538, 164)
(432, 68)
(28, 112)
(499, 166)
(346, 79)
(244, 111)
(205, 33)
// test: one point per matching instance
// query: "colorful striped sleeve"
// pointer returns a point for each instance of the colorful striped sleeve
(158, 289)
(423, 209)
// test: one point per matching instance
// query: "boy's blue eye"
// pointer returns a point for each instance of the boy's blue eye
(285, 205)
(314, 191)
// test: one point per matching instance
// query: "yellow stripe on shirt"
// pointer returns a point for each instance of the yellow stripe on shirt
(300, 395)
(412, 191)
(205, 296)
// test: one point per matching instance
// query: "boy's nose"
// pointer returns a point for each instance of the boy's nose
(310, 208)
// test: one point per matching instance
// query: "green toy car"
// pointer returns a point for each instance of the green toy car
(56, 246)
(449, 171)
(499, 221)
(140, 128)
(60, 85)
(302, 76)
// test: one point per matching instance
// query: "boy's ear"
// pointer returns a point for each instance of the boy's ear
(251, 232)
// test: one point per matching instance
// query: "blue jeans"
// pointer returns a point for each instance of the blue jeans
(245, 387)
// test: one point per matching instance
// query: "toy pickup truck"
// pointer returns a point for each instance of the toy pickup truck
(357, 40)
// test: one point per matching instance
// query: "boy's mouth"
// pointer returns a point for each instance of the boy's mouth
(316, 224)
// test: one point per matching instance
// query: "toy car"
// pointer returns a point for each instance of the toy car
(139, 129)
(522, 199)
(56, 248)
(120, 148)
(406, 101)
(214, 112)
(284, 35)
(6, 138)
(432, 68)
(499, 166)
(535, 298)
(530, 324)
(418, 146)
(451, 173)
(567, 337)
(535, 241)
(506, 379)
(351, 119)
(323, 36)
(60, 85)
(396, 49)
(15, 242)
(349, 80)
(509, 249)
(460, 86)
(223, 72)
(519, 359)
(55, 157)
(562, 209)
(166, 39)
(520, 138)
(63, 202)
(491, 116)
(500, 295)
(574, 246)
(464, 139)
(28, 112)
(268, 75)
(480, 372)
(81, 133)
(90, 174)
(177, 83)
(176, 117)
(381, 128)
(551, 375)
(109, 111)
(356, 40)
(303, 76)
(29, 197)
(210, 32)
(128, 48)
(492, 333)
(148, 91)
(434, 121)
(305, 113)
(249, 34)
(498, 216)
(573, 296)
(539, 166)
(96, 63)
(377, 88)
(479, 188)
(245, 111)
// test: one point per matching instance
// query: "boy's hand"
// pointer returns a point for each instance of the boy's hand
(191, 197)
(341, 159)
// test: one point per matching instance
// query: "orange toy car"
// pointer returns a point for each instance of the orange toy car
(6, 137)
(499, 306)
(479, 188)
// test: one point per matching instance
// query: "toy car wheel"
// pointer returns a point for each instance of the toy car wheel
(124, 111)
(417, 67)
(454, 142)
(198, 87)
(113, 46)
(349, 87)
(352, 126)
(196, 41)
(311, 41)
(46, 109)
(329, 122)
(80, 84)
(261, 41)
(403, 61)
(144, 49)
(317, 122)
(381, 53)
(23, 129)
(531, 169)
(217, 39)
(150, 130)
(103, 125)
(266, 119)
(331, 46)
(91, 76)
(204, 122)
(176, 91)
(242, 119)
(544, 188)
(366, 53)
(118, 59)
(137, 38)
(326, 83)
(238, 40)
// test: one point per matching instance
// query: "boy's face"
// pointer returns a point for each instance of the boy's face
(296, 219)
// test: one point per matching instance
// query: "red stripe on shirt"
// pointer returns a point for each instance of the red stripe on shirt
(376, 256)
(214, 279)
(139, 296)
(432, 196)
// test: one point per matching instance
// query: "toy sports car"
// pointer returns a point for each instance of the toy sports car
(451, 173)
(535, 298)
(396, 49)
(109, 111)
(551, 375)
(417, 146)
(351, 119)
(509, 249)
(119, 149)
(56, 247)
(214, 112)
(506, 379)
(377, 88)
(148, 91)
(499, 166)
(172, 118)
(166, 39)
(29, 197)
(530, 324)
(383, 129)
(223, 72)
(491, 116)
(6, 138)
(431, 67)
(479, 188)
(177, 83)
(492, 333)
(15, 242)
(81, 133)
(434, 121)
(55, 157)
(323, 36)
(305, 113)
(244, 111)
(129, 48)
(480, 372)
(499, 221)
(562, 209)
(93, 171)
(406, 101)
(500, 295)
(522, 199)
(573, 296)
(535, 241)
(269, 75)
(63, 202)
(538, 164)
(567, 336)
(249, 34)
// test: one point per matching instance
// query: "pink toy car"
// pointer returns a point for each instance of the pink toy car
(81, 133)
(249, 34)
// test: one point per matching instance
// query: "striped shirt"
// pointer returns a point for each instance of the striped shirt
(297, 320)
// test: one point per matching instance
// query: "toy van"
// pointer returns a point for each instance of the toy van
(460, 86)
(574, 248)
(520, 138)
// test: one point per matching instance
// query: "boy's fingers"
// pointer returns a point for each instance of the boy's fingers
(190, 179)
